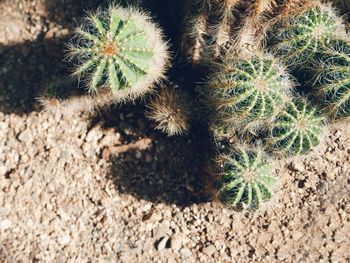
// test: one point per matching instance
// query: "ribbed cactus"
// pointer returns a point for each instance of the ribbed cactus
(120, 49)
(244, 93)
(297, 129)
(332, 75)
(171, 110)
(305, 32)
(247, 179)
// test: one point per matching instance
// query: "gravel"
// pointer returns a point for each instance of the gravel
(61, 200)
(106, 188)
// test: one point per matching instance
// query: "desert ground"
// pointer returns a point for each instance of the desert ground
(108, 188)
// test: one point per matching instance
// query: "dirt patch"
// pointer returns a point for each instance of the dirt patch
(108, 188)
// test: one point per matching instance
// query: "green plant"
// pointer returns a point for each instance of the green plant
(245, 93)
(304, 33)
(332, 79)
(121, 50)
(247, 179)
(170, 110)
(297, 129)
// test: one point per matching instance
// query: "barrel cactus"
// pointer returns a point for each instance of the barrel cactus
(247, 179)
(170, 110)
(244, 93)
(297, 129)
(305, 32)
(332, 75)
(119, 49)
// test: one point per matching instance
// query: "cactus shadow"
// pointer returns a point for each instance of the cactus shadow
(26, 69)
(151, 166)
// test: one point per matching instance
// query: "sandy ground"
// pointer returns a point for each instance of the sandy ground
(107, 188)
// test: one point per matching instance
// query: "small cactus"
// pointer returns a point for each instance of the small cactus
(170, 110)
(120, 49)
(332, 76)
(247, 179)
(297, 129)
(244, 93)
(302, 35)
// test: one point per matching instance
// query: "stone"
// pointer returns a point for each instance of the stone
(297, 166)
(176, 242)
(209, 250)
(185, 252)
(63, 240)
(26, 136)
(5, 224)
(161, 244)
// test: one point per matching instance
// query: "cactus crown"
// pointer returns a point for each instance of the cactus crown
(296, 129)
(303, 35)
(333, 78)
(247, 91)
(247, 179)
(120, 49)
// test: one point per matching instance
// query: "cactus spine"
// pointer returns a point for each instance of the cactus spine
(297, 129)
(332, 76)
(301, 36)
(244, 93)
(254, 25)
(247, 179)
(119, 49)
(209, 26)
(170, 110)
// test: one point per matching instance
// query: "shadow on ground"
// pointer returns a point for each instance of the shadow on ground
(28, 67)
(152, 166)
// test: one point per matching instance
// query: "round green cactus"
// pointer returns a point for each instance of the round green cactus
(300, 38)
(247, 179)
(246, 92)
(297, 129)
(332, 76)
(120, 49)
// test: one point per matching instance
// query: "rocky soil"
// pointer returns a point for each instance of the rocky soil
(107, 188)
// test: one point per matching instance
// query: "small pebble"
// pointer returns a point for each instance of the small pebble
(185, 252)
(161, 244)
(209, 250)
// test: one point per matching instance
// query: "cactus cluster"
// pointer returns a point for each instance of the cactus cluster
(247, 179)
(121, 50)
(254, 49)
(332, 79)
(246, 92)
(213, 27)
